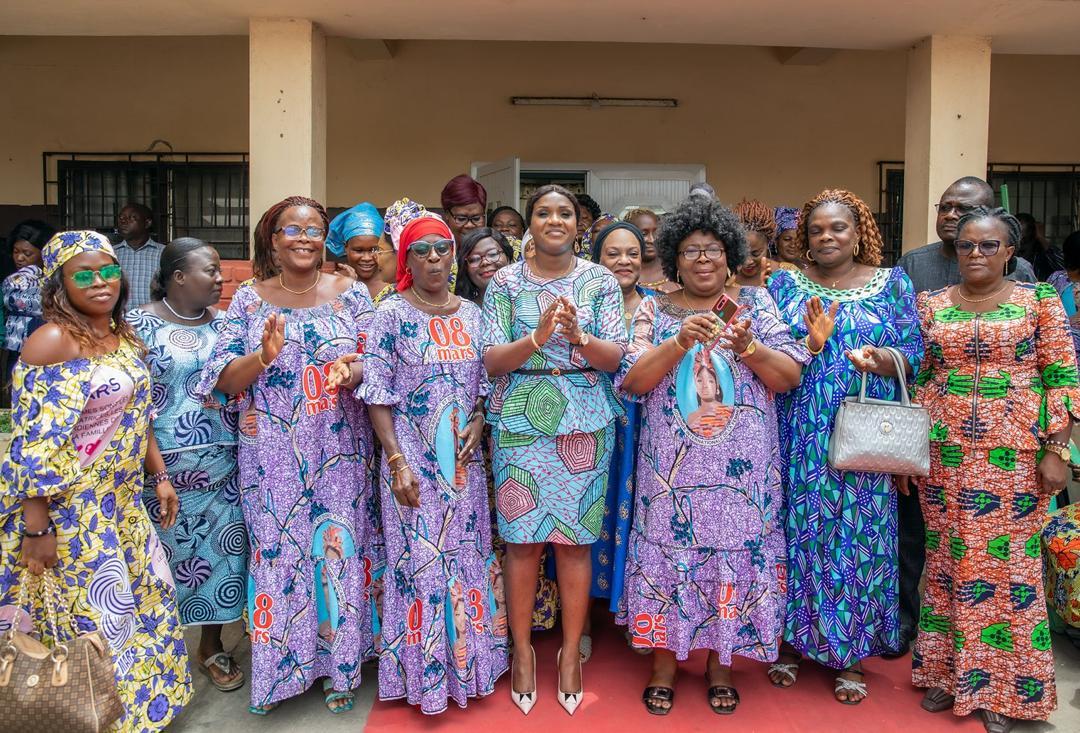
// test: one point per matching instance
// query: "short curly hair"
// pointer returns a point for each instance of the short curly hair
(698, 214)
(869, 235)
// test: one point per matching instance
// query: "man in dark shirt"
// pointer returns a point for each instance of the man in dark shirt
(934, 266)
(931, 268)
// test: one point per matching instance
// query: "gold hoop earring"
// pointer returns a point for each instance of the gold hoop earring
(808, 256)
(856, 252)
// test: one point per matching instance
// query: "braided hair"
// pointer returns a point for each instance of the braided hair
(1012, 223)
(870, 245)
(263, 260)
(756, 217)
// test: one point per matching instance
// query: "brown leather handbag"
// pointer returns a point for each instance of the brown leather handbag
(69, 688)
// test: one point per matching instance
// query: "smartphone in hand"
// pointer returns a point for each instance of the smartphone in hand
(726, 308)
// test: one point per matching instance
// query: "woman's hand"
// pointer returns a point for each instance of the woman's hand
(38, 553)
(340, 268)
(819, 322)
(737, 337)
(698, 328)
(341, 374)
(566, 319)
(548, 321)
(470, 437)
(872, 359)
(273, 337)
(405, 487)
(1052, 473)
(169, 502)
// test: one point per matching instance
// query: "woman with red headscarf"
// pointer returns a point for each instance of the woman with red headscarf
(425, 386)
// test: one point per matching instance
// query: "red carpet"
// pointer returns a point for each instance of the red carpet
(615, 677)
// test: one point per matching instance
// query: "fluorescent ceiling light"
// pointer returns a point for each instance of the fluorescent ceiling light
(594, 101)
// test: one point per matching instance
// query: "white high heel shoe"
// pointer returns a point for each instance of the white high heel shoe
(524, 700)
(569, 700)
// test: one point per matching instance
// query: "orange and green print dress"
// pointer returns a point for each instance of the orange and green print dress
(995, 384)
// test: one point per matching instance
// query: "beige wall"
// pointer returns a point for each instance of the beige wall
(404, 125)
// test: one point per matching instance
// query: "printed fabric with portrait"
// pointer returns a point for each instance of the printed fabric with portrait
(443, 619)
(705, 568)
(307, 497)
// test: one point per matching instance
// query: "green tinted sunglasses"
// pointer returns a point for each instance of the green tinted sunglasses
(85, 278)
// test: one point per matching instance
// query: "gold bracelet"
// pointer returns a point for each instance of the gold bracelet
(808, 348)
(678, 343)
(259, 355)
(532, 337)
(391, 459)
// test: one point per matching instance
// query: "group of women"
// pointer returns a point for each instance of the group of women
(329, 453)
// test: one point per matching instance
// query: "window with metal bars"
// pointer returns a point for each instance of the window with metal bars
(1049, 192)
(202, 195)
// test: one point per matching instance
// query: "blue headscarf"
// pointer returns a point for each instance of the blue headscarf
(362, 220)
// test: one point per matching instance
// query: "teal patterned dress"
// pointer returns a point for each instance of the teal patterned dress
(842, 603)
(553, 434)
(207, 547)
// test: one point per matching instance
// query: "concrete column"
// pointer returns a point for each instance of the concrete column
(948, 118)
(287, 103)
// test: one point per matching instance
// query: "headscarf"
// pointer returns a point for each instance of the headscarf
(400, 213)
(65, 245)
(602, 222)
(787, 217)
(362, 220)
(419, 227)
(604, 233)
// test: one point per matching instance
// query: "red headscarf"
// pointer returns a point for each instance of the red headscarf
(414, 230)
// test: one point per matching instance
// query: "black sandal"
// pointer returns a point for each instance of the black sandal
(721, 692)
(653, 696)
(936, 700)
(996, 722)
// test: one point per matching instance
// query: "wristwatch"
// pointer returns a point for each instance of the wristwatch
(1059, 450)
(749, 349)
(584, 341)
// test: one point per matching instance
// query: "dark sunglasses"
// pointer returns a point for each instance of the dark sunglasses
(423, 249)
(293, 231)
(987, 247)
(85, 278)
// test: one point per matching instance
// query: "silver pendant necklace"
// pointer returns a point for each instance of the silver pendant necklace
(184, 318)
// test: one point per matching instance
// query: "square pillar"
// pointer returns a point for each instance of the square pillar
(948, 119)
(287, 111)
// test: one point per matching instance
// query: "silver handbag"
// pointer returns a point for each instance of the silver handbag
(881, 436)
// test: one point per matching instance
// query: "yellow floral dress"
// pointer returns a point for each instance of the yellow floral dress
(80, 440)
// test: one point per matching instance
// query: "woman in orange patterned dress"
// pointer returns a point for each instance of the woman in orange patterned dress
(999, 380)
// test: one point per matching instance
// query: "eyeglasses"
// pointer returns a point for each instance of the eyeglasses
(292, 231)
(85, 278)
(948, 208)
(713, 252)
(462, 220)
(474, 260)
(441, 247)
(987, 247)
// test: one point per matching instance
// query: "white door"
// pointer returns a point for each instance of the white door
(620, 188)
(502, 180)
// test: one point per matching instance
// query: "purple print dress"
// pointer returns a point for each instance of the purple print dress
(443, 622)
(305, 485)
(706, 566)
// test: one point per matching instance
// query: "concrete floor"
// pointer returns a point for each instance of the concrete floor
(211, 710)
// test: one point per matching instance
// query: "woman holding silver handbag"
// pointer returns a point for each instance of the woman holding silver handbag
(1000, 383)
(840, 524)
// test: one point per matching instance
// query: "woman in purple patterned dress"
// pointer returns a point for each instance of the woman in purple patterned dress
(443, 623)
(705, 567)
(303, 472)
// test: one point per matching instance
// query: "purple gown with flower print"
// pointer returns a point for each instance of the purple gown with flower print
(706, 565)
(443, 621)
(306, 488)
